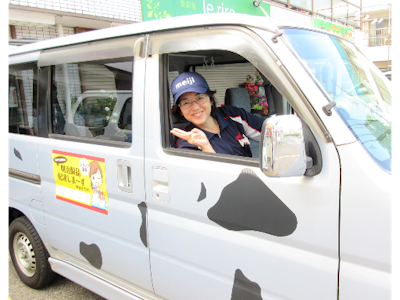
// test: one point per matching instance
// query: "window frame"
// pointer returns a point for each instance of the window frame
(90, 140)
(175, 42)
(261, 57)
(103, 50)
(166, 122)
(35, 96)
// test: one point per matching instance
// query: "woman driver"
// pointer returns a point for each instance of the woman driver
(224, 129)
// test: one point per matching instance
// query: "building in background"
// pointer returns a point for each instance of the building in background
(377, 29)
(32, 20)
(368, 27)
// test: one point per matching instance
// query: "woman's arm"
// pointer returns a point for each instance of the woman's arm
(195, 137)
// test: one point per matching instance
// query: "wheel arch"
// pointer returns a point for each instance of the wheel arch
(16, 211)
(13, 214)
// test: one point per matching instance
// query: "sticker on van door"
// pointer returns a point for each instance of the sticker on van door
(243, 288)
(92, 253)
(248, 204)
(81, 180)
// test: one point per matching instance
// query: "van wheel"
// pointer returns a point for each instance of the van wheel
(28, 254)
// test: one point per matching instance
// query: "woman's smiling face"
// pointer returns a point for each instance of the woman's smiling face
(197, 114)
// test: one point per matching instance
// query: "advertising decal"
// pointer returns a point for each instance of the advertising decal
(345, 32)
(81, 180)
(160, 9)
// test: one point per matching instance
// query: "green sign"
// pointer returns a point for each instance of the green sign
(345, 32)
(160, 9)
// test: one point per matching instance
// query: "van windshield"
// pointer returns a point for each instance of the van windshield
(362, 98)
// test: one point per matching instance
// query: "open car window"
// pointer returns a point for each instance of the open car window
(227, 73)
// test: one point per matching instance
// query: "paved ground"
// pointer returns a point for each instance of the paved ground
(60, 289)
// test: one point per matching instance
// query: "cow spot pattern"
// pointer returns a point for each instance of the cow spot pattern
(203, 193)
(143, 230)
(243, 288)
(17, 154)
(92, 254)
(248, 204)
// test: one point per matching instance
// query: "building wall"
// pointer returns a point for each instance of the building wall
(116, 9)
(40, 32)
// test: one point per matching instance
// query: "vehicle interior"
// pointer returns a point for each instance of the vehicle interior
(101, 100)
(225, 73)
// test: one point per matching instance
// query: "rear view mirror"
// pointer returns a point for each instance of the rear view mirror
(282, 148)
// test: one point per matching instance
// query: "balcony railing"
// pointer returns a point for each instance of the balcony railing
(378, 37)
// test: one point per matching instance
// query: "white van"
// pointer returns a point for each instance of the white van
(99, 194)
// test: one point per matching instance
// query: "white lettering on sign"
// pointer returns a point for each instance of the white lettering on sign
(220, 9)
(185, 82)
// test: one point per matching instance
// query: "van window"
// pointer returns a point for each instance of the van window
(22, 101)
(93, 100)
(225, 73)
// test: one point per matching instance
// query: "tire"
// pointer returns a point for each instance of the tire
(29, 255)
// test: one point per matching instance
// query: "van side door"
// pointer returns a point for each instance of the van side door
(218, 227)
(24, 180)
(91, 162)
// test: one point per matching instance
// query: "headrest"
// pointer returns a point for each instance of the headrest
(238, 97)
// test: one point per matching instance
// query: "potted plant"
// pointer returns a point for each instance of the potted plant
(259, 105)
(252, 90)
(256, 108)
(250, 81)
(259, 80)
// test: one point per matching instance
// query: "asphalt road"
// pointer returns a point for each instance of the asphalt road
(60, 289)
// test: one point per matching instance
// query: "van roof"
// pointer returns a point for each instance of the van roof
(150, 26)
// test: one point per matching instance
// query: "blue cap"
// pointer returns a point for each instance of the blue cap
(188, 82)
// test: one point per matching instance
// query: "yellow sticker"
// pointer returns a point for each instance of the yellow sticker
(81, 180)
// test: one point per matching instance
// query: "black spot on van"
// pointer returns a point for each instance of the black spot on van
(92, 253)
(143, 229)
(203, 193)
(243, 288)
(17, 154)
(248, 204)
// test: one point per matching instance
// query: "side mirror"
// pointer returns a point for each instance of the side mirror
(282, 148)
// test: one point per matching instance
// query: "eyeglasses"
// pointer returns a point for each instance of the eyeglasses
(201, 99)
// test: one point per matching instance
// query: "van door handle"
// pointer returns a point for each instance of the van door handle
(124, 174)
(160, 184)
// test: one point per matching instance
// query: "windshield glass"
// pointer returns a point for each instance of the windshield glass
(362, 97)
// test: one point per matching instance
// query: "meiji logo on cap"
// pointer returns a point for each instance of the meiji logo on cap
(189, 80)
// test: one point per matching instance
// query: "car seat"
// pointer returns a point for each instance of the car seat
(240, 98)
(272, 94)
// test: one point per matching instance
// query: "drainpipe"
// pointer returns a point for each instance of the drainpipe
(60, 33)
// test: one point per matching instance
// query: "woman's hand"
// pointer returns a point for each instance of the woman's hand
(195, 137)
